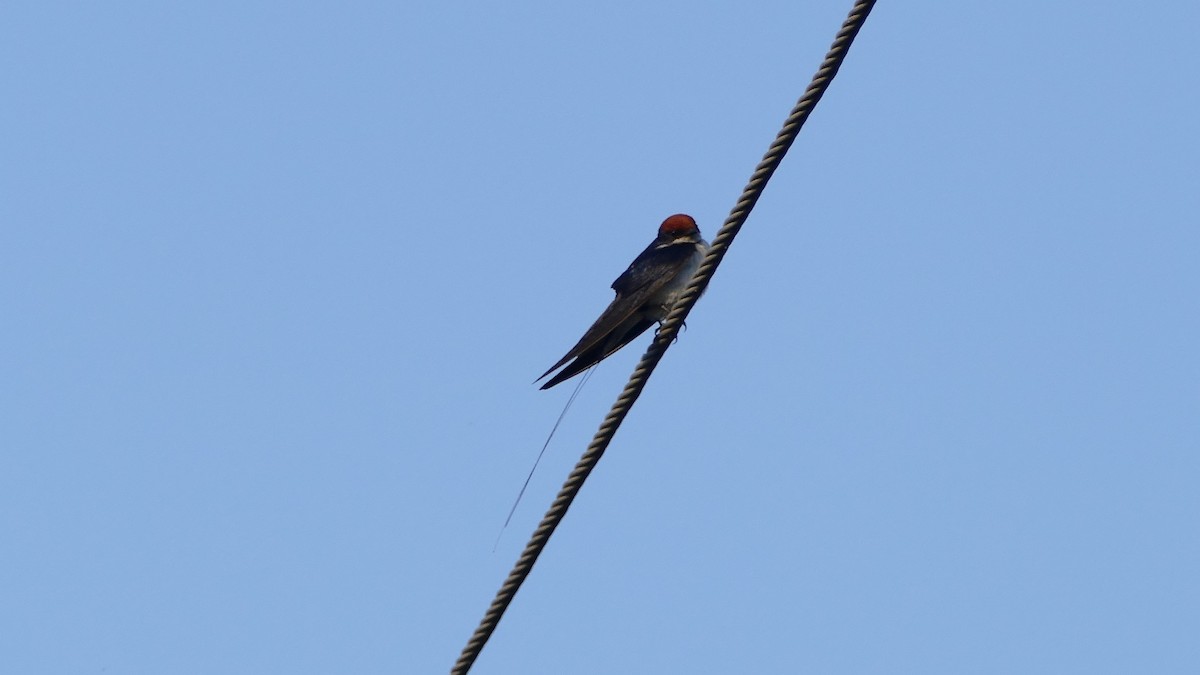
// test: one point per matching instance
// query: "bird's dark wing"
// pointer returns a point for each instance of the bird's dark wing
(599, 352)
(634, 287)
(642, 274)
(617, 313)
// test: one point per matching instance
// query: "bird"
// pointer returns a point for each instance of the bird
(646, 291)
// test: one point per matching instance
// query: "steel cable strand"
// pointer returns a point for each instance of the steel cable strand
(666, 334)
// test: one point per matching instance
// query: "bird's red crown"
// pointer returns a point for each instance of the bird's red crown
(680, 223)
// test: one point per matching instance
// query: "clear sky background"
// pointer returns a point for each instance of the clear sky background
(276, 280)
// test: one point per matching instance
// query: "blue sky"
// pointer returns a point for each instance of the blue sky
(277, 279)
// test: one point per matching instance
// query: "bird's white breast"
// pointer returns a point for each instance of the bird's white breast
(674, 288)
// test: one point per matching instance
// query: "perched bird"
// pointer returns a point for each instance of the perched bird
(645, 294)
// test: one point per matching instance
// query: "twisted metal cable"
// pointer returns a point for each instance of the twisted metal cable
(666, 333)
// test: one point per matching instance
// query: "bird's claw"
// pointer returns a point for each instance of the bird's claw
(682, 327)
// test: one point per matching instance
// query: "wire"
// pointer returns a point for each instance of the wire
(666, 333)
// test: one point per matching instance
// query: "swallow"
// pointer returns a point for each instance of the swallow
(645, 294)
